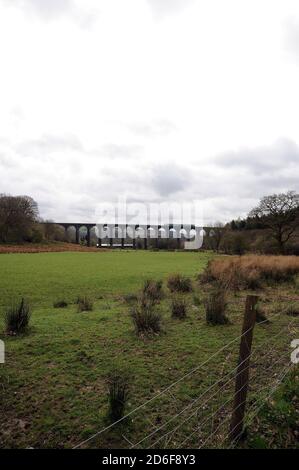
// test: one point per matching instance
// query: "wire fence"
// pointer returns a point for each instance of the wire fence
(192, 412)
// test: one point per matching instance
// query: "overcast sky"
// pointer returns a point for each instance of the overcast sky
(159, 100)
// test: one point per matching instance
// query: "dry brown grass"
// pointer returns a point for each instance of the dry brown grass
(45, 248)
(250, 271)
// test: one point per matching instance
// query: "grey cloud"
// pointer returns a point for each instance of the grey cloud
(132, 181)
(169, 179)
(281, 154)
(162, 8)
(277, 182)
(68, 180)
(161, 127)
(240, 184)
(115, 151)
(48, 144)
(6, 161)
(232, 183)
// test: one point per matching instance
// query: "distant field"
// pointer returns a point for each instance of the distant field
(53, 386)
(42, 277)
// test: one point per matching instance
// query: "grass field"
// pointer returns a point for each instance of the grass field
(53, 384)
(43, 277)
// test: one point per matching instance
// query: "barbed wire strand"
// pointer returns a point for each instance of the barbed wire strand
(101, 431)
(162, 391)
(210, 416)
(286, 371)
(204, 422)
(217, 392)
(211, 435)
(190, 405)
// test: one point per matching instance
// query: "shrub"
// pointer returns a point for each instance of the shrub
(118, 396)
(196, 300)
(60, 303)
(239, 244)
(169, 244)
(145, 318)
(250, 271)
(17, 317)
(35, 236)
(179, 283)
(292, 310)
(215, 305)
(234, 243)
(85, 304)
(178, 308)
(152, 290)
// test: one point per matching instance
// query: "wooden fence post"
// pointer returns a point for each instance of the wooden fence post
(242, 374)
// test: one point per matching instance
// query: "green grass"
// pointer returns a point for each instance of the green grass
(45, 277)
(276, 425)
(53, 389)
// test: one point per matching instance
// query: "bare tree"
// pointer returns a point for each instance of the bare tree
(53, 231)
(279, 213)
(216, 235)
(18, 214)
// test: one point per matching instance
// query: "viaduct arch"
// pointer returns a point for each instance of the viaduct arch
(152, 232)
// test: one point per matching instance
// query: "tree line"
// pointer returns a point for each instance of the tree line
(272, 226)
(20, 221)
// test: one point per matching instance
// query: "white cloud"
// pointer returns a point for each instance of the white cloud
(166, 7)
(45, 8)
(200, 104)
(291, 36)
(51, 10)
(160, 127)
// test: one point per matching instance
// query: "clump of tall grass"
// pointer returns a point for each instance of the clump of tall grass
(179, 283)
(118, 395)
(60, 303)
(208, 275)
(292, 310)
(252, 280)
(85, 304)
(215, 305)
(17, 317)
(250, 271)
(152, 290)
(145, 316)
(178, 307)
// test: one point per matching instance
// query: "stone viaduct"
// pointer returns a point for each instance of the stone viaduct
(156, 232)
